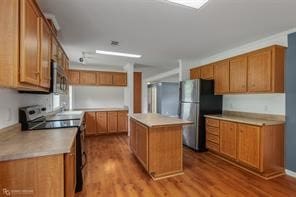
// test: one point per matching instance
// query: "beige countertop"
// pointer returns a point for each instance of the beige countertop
(246, 120)
(101, 109)
(16, 144)
(155, 120)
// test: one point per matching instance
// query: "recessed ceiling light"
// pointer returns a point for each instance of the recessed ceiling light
(118, 54)
(190, 3)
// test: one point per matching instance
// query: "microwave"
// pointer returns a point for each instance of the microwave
(60, 82)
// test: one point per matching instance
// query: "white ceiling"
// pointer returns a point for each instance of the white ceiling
(163, 32)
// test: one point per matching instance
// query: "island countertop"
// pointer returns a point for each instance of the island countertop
(156, 120)
(16, 144)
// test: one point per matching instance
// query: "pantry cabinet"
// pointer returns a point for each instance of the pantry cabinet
(30, 42)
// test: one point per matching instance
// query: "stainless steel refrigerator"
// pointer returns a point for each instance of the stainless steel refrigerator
(197, 99)
(163, 98)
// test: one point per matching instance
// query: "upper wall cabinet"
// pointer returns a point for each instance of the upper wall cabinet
(260, 71)
(27, 49)
(207, 72)
(80, 77)
(195, 73)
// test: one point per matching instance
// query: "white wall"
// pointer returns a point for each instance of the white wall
(257, 103)
(97, 97)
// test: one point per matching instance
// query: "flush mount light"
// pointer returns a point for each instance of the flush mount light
(118, 54)
(190, 3)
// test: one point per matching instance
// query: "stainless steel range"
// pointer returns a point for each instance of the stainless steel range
(34, 118)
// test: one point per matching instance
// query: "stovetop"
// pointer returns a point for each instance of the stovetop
(56, 124)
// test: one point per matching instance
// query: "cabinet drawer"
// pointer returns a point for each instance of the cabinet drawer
(213, 130)
(212, 146)
(212, 122)
(212, 138)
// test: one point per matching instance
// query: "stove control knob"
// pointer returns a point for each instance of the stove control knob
(43, 109)
(31, 112)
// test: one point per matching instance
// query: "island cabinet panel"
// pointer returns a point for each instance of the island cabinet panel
(260, 71)
(112, 122)
(228, 139)
(165, 152)
(70, 172)
(238, 69)
(249, 145)
(142, 144)
(102, 122)
(133, 136)
(87, 78)
(29, 43)
(90, 122)
(259, 149)
(221, 77)
(122, 121)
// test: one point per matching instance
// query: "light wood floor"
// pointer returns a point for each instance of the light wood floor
(112, 170)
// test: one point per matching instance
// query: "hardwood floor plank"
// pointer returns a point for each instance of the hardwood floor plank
(113, 170)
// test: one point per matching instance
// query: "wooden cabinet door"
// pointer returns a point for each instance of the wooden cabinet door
(142, 144)
(228, 140)
(70, 172)
(54, 49)
(60, 56)
(90, 123)
(120, 79)
(260, 71)
(112, 122)
(249, 145)
(133, 136)
(221, 77)
(105, 78)
(74, 77)
(137, 92)
(45, 55)
(238, 74)
(102, 126)
(207, 72)
(195, 73)
(122, 121)
(29, 43)
(87, 78)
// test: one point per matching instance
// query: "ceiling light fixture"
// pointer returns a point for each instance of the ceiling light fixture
(118, 54)
(197, 4)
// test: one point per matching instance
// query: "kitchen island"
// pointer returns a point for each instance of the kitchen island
(156, 141)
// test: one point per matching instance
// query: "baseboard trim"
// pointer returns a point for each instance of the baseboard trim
(290, 173)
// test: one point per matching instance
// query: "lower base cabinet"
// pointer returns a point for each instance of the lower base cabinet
(259, 149)
(106, 122)
(40, 176)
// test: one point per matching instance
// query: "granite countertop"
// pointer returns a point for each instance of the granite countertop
(155, 120)
(16, 144)
(65, 116)
(246, 120)
(101, 109)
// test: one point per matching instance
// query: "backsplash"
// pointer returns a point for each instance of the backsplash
(11, 100)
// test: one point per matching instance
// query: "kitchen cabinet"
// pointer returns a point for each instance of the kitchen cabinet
(29, 42)
(90, 122)
(259, 149)
(221, 77)
(142, 144)
(54, 49)
(70, 172)
(105, 78)
(45, 54)
(74, 77)
(238, 69)
(120, 79)
(195, 73)
(122, 121)
(228, 139)
(133, 136)
(249, 145)
(87, 78)
(112, 122)
(102, 124)
(207, 72)
(137, 92)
